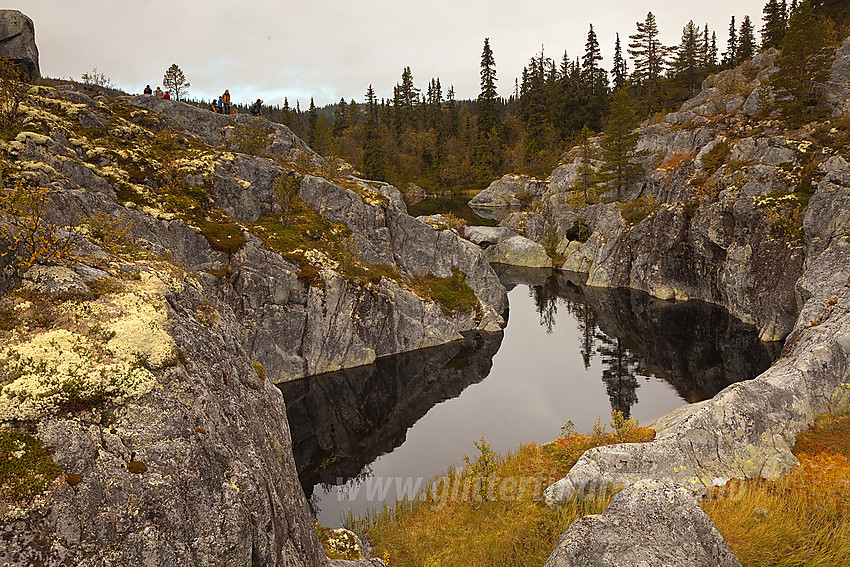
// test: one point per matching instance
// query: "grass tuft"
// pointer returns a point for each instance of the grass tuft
(800, 519)
(490, 511)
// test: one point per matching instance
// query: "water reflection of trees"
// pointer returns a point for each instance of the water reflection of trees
(696, 347)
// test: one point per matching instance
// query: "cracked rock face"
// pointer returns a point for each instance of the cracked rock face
(17, 41)
(648, 523)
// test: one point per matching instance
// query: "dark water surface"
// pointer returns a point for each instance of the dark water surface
(569, 352)
(456, 203)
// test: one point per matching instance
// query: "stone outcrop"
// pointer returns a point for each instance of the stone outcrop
(17, 41)
(748, 429)
(485, 236)
(510, 191)
(193, 465)
(519, 251)
(735, 210)
(648, 523)
(717, 215)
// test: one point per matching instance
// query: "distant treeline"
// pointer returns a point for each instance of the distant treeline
(429, 138)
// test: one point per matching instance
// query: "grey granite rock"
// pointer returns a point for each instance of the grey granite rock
(510, 191)
(519, 251)
(17, 41)
(648, 523)
(487, 235)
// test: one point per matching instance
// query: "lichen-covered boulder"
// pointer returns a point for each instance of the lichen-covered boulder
(17, 41)
(487, 235)
(519, 251)
(648, 523)
(510, 191)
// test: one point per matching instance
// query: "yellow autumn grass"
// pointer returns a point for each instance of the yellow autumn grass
(498, 520)
(800, 519)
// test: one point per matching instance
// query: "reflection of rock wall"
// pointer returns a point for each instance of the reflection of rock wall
(341, 422)
(697, 347)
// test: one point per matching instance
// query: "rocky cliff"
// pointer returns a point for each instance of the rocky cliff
(721, 214)
(736, 208)
(163, 265)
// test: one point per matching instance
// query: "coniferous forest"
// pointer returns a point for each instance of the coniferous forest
(426, 136)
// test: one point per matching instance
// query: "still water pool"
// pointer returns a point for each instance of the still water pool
(569, 352)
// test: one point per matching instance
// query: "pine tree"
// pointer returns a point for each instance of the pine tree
(619, 70)
(175, 81)
(648, 54)
(703, 47)
(619, 369)
(731, 55)
(774, 24)
(620, 142)
(746, 41)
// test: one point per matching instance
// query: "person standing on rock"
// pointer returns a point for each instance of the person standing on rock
(148, 90)
(256, 108)
(159, 93)
(225, 98)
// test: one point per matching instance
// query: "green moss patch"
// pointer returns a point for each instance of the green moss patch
(26, 467)
(452, 294)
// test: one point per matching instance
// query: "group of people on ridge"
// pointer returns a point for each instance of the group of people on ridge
(159, 93)
(220, 106)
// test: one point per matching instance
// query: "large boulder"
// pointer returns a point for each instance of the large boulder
(519, 251)
(485, 236)
(648, 523)
(17, 41)
(510, 191)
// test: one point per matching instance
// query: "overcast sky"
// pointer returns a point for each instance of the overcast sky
(329, 49)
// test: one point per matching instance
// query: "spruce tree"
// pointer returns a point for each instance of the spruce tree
(803, 65)
(488, 142)
(712, 52)
(746, 41)
(620, 142)
(774, 24)
(619, 70)
(648, 54)
(731, 55)
(373, 157)
(688, 59)
(488, 99)
(312, 122)
(340, 118)
(592, 57)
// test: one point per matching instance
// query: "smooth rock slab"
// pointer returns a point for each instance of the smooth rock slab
(487, 235)
(519, 251)
(649, 523)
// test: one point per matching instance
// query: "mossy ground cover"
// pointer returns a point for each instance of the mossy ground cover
(800, 519)
(26, 467)
(489, 511)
